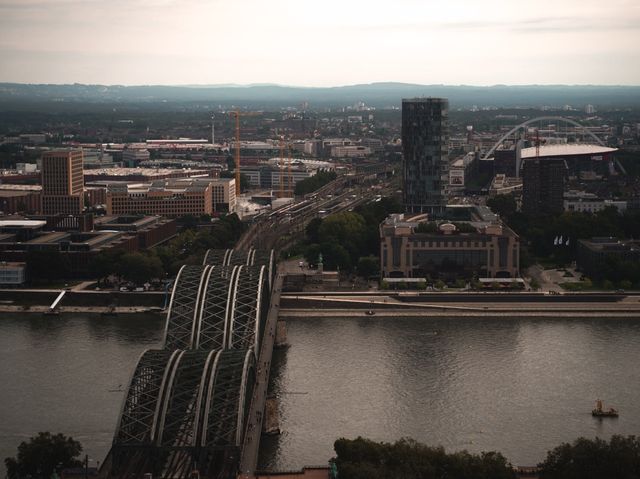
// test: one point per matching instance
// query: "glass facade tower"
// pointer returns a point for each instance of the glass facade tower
(425, 143)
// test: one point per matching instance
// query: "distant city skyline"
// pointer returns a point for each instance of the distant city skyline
(287, 42)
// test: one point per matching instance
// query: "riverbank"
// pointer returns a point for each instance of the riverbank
(293, 314)
(358, 305)
(104, 310)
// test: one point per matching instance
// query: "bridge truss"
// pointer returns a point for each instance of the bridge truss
(187, 404)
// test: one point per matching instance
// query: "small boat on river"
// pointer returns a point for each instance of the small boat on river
(600, 411)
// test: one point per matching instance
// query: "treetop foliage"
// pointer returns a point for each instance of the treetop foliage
(343, 238)
(42, 455)
(596, 458)
(315, 182)
(365, 459)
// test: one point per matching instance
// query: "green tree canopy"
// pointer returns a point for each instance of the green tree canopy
(315, 182)
(42, 455)
(368, 266)
(504, 205)
(407, 459)
(594, 459)
(140, 268)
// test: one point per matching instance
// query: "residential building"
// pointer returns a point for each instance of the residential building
(62, 182)
(425, 140)
(478, 245)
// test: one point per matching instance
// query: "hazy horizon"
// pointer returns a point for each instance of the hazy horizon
(288, 42)
(269, 84)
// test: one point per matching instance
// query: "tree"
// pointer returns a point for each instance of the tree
(593, 458)
(106, 263)
(313, 230)
(42, 455)
(368, 266)
(140, 268)
(504, 205)
(362, 458)
(317, 181)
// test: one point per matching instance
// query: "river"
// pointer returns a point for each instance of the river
(519, 386)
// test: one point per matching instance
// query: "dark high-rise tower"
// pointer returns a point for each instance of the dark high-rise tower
(543, 186)
(425, 143)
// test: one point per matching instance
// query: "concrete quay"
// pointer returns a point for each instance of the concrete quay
(358, 305)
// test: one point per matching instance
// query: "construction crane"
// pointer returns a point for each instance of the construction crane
(289, 177)
(238, 114)
(280, 165)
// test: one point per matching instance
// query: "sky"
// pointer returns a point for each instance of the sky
(320, 43)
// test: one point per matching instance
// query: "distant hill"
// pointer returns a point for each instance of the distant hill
(379, 95)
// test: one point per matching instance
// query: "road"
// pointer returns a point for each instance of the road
(249, 459)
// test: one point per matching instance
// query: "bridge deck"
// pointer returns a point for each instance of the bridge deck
(249, 459)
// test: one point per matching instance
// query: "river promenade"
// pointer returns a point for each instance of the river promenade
(507, 305)
(353, 304)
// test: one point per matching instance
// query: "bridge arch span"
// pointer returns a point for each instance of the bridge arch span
(535, 120)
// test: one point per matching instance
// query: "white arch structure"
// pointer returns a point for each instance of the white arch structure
(534, 120)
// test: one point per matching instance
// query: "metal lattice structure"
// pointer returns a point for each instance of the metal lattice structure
(192, 415)
(178, 426)
(134, 434)
(184, 307)
(227, 399)
(187, 404)
(217, 257)
(212, 321)
(248, 311)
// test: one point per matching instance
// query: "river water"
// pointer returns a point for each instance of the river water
(517, 386)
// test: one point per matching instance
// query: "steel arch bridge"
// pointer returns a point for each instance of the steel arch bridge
(186, 406)
(535, 120)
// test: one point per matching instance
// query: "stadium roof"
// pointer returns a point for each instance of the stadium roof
(566, 150)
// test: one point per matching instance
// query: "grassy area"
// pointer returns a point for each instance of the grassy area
(578, 286)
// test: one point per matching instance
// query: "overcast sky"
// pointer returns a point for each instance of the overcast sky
(320, 43)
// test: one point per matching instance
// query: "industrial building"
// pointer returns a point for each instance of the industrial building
(478, 245)
(425, 142)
